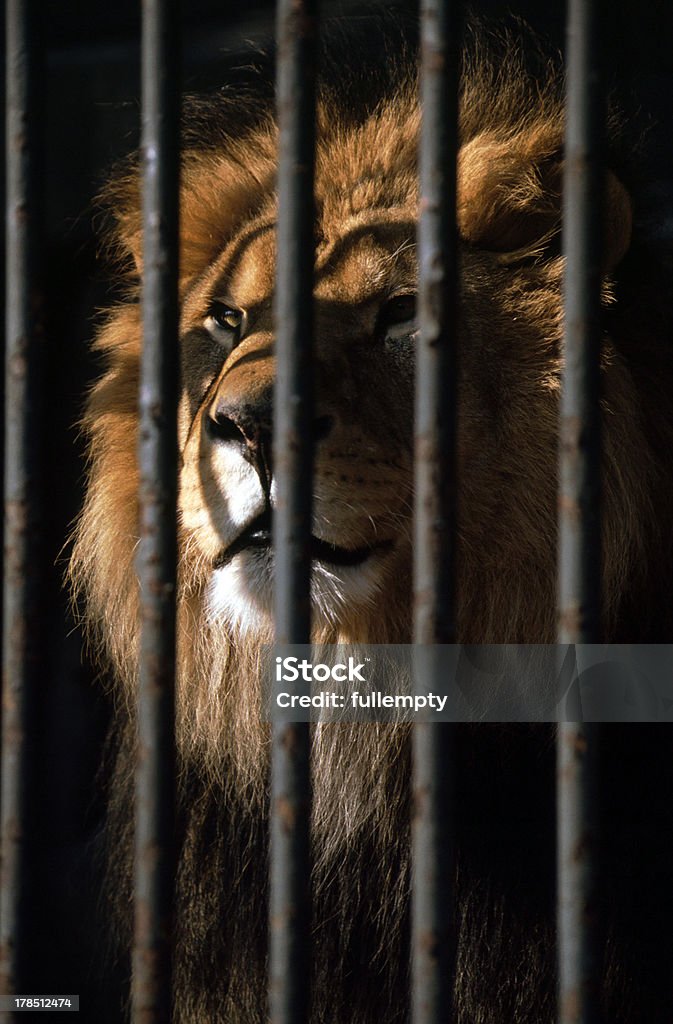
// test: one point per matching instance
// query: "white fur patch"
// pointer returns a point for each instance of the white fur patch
(241, 592)
(244, 499)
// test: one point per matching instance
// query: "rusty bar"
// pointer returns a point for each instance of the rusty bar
(580, 425)
(580, 941)
(23, 549)
(580, 946)
(290, 905)
(156, 559)
(433, 854)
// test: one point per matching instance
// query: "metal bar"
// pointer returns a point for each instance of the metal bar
(580, 942)
(580, 426)
(580, 945)
(156, 561)
(433, 854)
(290, 906)
(22, 536)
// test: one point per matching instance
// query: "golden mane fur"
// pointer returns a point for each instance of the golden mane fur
(511, 129)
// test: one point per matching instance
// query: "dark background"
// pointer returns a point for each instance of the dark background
(92, 119)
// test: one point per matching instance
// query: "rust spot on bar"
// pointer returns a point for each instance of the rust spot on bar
(569, 507)
(570, 620)
(570, 1007)
(287, 813)
(430, 944)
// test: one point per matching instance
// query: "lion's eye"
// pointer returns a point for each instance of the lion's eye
(225, 322)
(397, 317)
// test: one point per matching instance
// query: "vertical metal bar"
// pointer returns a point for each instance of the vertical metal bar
(290, 906)
(22, 530)
(433, 855)
(156, 564)
(579, 523)
(580, 949)
(579, 936)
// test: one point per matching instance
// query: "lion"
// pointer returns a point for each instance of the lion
(510, 166)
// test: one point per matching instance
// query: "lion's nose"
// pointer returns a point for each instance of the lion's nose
(250, 425)
(241, 425)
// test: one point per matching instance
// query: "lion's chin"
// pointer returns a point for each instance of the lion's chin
(240, 593)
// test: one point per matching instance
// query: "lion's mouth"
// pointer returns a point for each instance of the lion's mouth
(258, 536)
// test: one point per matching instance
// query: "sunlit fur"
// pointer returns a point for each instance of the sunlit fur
(509, 339)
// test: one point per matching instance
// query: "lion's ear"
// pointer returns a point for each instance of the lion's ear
(509, 197)
(216, 194)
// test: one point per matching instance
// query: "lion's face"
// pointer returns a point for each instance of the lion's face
(365, 331)
(365, 337)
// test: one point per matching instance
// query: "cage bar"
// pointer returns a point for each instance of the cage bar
(156, 559)
(580, 952)
(290, 907)
(433, 854)
(23, 553)
(580, 947)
